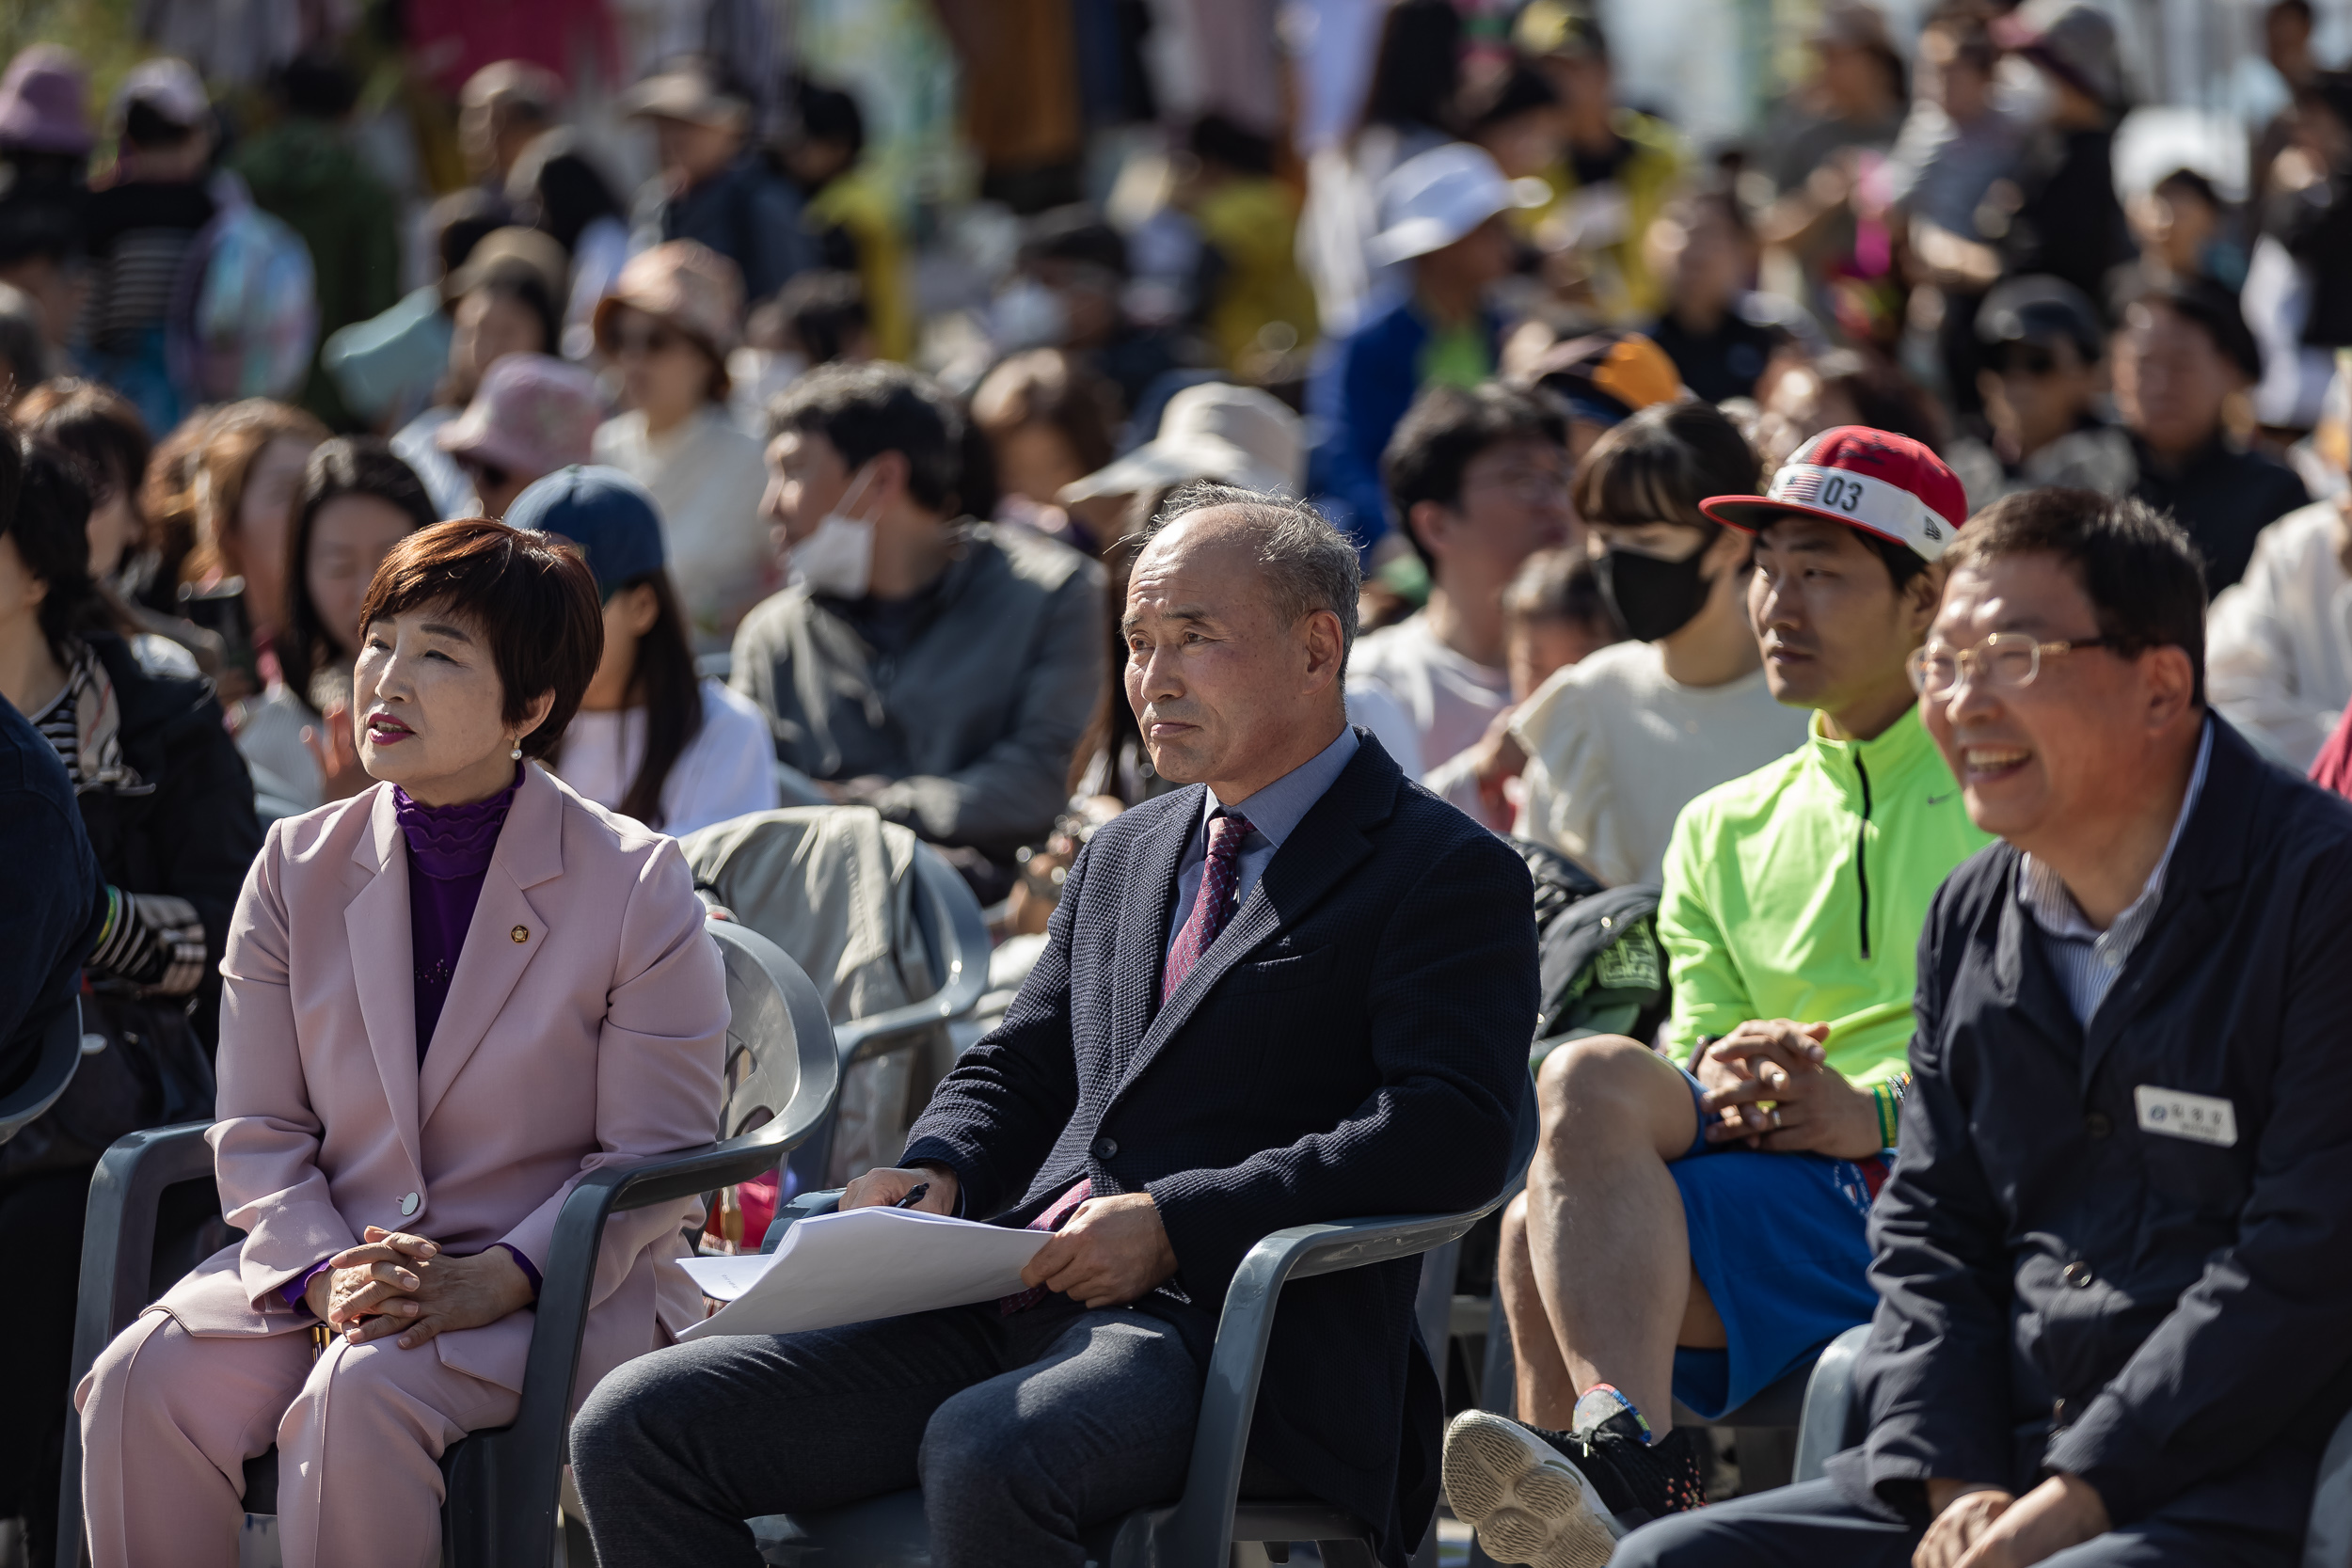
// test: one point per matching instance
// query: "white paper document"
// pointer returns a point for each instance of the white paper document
(846, 1268)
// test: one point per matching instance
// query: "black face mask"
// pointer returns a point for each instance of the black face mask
(1654, 598)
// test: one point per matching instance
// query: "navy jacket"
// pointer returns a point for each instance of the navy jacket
(1354, 1043)
(51, 915)
(2060, 1290)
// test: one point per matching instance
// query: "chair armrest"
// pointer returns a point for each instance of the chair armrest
(2327, 1539)
(527, 1457)
(118, 1261)
(1833, 1419)
(1199, 1530)
(806, 1206)
(60, 1056)
(960, 940)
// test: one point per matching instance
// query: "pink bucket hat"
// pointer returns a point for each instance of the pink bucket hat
(533, 415)
(684, 283)
(44, 102)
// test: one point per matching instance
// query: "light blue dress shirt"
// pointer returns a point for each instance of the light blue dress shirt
(1274, 813)
(2088, 959)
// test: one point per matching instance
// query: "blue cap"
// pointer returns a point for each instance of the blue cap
(603, 510)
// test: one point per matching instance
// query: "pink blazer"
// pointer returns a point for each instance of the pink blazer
(585, 1025)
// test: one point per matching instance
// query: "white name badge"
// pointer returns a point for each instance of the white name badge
(2174, 1113)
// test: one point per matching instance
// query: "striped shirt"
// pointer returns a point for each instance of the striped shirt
(56, 724)
(2087, 958)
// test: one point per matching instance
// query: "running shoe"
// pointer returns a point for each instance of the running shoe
(1563, 1499)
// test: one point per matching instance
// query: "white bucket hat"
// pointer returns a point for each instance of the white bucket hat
(1215, 430)
(1428, 202)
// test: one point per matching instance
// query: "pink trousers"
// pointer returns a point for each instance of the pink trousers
(168, 1420)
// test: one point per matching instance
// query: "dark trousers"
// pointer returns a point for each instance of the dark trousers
(41, 1234)
(1814, 1525)
(1022, 1429)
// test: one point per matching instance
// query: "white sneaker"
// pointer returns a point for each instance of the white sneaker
(1527, 1501)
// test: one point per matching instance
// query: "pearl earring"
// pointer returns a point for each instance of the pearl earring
(516, 755)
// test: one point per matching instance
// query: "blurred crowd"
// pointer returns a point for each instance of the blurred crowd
(857, 469)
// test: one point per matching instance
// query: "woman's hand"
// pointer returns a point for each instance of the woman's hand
(375, 1277)
(336, 750)
(449, 1293)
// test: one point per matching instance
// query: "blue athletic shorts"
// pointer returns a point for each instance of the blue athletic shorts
(1779, 1242)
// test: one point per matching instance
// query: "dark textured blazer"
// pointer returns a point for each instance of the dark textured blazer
(2061, 1289)
(1354, 1043)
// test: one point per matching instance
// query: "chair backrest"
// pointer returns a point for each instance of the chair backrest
(832, 886)
(60, 1055)
(779, 1042)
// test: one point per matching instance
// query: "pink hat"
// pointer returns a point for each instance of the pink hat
(42, 106)
(688, 285)
(533, 415)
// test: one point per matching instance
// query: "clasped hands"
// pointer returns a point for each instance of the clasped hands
(395, 1283)
(1111, 1251)
(1987, 1527)
(1813, 1109)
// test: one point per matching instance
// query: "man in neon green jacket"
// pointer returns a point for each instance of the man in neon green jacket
(1694, 1226)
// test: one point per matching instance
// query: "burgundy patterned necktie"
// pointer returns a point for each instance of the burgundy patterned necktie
(1212, 905)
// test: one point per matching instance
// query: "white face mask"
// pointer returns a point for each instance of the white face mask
(838, 559)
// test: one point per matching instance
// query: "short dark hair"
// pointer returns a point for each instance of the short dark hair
(1660, 463)
(534, 598)
(2213, 308)
(1310, 565)
(830, 114)
(823, 310)
(1216, 138)
(867, 409)
(317, 84)
(346, 466)
(1449, 426)
(48, 517)
(2143, 577)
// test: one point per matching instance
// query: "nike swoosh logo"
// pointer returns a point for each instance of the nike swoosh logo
(1939, 800)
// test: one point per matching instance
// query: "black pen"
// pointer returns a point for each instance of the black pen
(914, 1196)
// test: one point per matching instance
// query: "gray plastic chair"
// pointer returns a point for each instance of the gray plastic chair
(1836, 1420)
(782, 1076)
(62, 1045)
(955, 937)
(1201, 1527)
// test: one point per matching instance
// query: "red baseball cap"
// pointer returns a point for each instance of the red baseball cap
(1872, 480)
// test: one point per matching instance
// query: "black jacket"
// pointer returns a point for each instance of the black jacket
(187, 828)
(2061, 1289)
(1354, 1043)
(2224, 496)
(49, 917)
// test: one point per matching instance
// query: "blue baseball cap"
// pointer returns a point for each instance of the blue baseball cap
(607, 513)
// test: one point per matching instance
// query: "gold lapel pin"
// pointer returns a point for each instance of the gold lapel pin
(520, 933)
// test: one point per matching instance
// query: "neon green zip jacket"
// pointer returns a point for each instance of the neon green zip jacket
(1800, 890)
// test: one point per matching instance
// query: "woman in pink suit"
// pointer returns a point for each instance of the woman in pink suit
(448, 999)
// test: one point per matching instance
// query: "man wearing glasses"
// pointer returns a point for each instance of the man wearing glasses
(1693, 1227)
(2112, 1260)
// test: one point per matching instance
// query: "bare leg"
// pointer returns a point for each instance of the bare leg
(1606, 1233)
(1547, 1394)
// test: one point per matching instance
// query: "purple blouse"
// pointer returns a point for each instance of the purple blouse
(449, 854)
